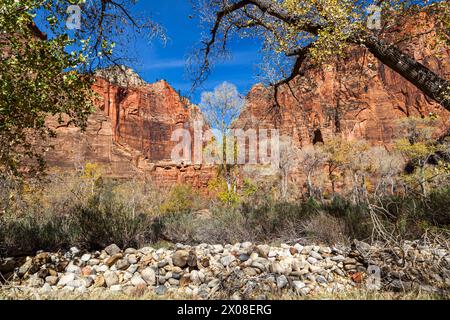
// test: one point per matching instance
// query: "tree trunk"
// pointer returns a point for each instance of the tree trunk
(423, 78)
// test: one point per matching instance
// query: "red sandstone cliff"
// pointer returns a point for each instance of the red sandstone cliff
(130, 132)
(356, 96)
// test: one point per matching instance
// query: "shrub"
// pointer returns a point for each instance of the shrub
(181, 199)
(105, 219)
(324, 228)
(67, 211)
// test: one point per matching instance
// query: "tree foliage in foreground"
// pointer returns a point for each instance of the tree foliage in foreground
(51, 75)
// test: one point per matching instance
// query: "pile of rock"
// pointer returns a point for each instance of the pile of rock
(243, 270)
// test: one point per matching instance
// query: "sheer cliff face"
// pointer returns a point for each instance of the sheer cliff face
(130, 133)
(145, 117)
(356, 97)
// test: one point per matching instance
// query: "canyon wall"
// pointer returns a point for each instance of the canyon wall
(130, 133)
(356, 96)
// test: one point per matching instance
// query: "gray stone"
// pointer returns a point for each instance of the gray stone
(213, 283)
(244, 257)
(298, 285)
(132, 259)
(282, 282)
(173, 282)
(163, 263)
(305, 291)
(195, 278)
(349, 267)
(94, 262)
(36, 282)
(251, 272)
(325, 250)
(75, 283)
(132, 269)
(161, 290)
(306, 250)
(315, 255)
(321, 280)
(46, 288)
(260, 263)
(74, 251)
(298, 247)
(112, 249)
(277, 267)
(103, 268)
(88, 282)
(263, 250)
(122, 264)
(350, 261)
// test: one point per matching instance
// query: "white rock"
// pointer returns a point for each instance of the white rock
(298, 285)
(149, 276)
(111, 278)
(94, 262)
(112, 249)
(116, 288)
(312, 260)
(74, 251)
(227, 260)
(46, 288)
(65, 279)
(315, 255)
(325, 250)
(103, 268)
(71, 268)
(137, 280)
(195, 278)
(85, 257)
(132, 269)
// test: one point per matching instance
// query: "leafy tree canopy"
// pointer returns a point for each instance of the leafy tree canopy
(52, 75)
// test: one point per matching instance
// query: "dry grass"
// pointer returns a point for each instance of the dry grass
(104, 295)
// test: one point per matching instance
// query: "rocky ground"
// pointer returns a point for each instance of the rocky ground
(239, 271)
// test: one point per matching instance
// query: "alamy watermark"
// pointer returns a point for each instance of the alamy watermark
(373, 281)
(249, 147)
(374, 17)
(73, 21)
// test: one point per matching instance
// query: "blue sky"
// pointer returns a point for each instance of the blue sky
(158, 61)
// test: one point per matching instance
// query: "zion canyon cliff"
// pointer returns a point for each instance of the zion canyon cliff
(129, 135)
(356, 97)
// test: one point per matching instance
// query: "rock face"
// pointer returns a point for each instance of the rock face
(130, 133)
(356, 97)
